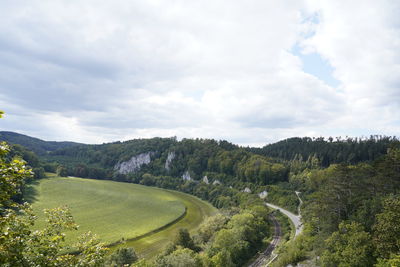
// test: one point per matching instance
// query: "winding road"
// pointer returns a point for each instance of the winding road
(296, 219)
(269, 252)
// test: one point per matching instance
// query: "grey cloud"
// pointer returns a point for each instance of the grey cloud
(210, 69)
(274, 122)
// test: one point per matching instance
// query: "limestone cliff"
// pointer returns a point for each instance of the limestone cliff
(186, 176)
(170, 157)
(133, 164)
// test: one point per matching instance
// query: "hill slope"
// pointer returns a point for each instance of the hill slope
(112, 210)
(36, 145)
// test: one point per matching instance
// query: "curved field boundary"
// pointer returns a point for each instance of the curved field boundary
(151, 232)
(112, 210)
(150, 245)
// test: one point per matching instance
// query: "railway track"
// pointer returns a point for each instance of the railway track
(264, 257)
(267, 256)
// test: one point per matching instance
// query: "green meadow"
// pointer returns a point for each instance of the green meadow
(197, 210)
(146, 217)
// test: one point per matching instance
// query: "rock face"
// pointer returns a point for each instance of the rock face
(133, 164)
(247, 190)
(170, 157)
(205, 180)
(263, 194)
(216, 182)
(186, 176)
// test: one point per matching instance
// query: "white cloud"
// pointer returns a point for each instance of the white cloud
(102, 71)
(361, 40)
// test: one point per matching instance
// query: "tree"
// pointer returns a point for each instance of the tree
(184, 240)
(123, 256)
(393, 261)
(223, 258)
(231, 240)
(211, 225)
(182, 257)
(12, 175)
(350, 246)
(61, 171)
(19, 244)
(387, 228)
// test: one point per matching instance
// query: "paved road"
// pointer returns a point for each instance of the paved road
(268, 255)
(265, 256)
(296, 219)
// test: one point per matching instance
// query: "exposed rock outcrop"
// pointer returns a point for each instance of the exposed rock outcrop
(263, 194)
(216, 182)
(247, 190)
(170, 157)
(134, 163)
(186, 176)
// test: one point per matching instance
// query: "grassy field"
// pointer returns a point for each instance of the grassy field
(116, 210)
(197, 211)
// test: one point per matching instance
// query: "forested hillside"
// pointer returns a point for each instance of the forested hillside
(351, 214)
(350, 188)
(192, 158)
(36, 145)
(328, 151)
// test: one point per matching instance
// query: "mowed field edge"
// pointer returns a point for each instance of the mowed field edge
(197, 211)
(147, 218)
(112, 210)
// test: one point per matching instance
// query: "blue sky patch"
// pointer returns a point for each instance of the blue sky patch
(315, 65)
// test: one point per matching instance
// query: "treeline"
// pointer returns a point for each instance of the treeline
(220, 160)
(329, 151)
(352, 214)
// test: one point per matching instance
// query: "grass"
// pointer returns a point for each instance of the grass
(146, 217)
(197, 211)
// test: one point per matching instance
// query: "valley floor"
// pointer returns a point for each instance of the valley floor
(146, 218)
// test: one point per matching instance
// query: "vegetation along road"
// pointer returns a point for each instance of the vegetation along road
(268, 256)
(268, 253)
(296, 219)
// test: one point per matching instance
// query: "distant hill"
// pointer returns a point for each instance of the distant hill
(196, 159)
(36, 145)
(329, 151)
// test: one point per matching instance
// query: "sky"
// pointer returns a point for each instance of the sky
(250, 72)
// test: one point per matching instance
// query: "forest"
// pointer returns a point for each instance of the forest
(350, 188)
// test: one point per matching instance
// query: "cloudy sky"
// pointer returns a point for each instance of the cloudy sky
(251, 72)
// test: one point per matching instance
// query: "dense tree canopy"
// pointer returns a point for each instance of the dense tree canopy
(332, 150)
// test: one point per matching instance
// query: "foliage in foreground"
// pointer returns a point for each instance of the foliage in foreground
(19, 244)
